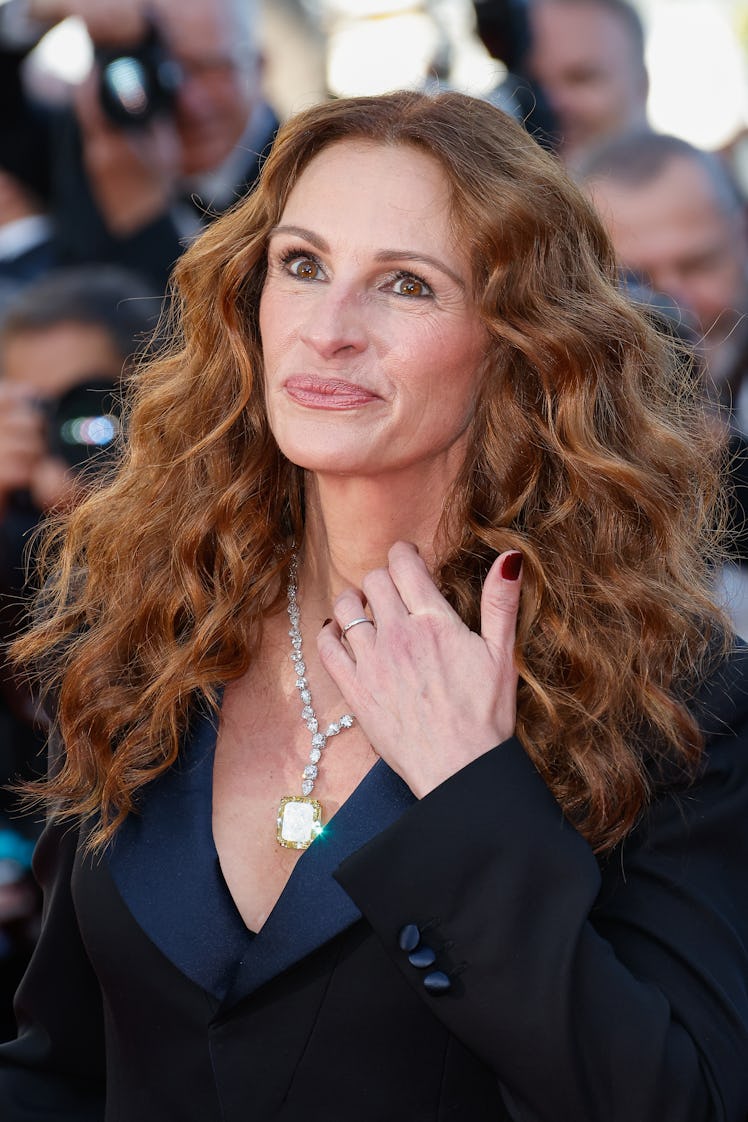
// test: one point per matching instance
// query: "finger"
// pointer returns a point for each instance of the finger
(336, 660)
(412, 580)
(385, 602)
(52, 484)
(500, 602)
(21, 424)
(349, 607)
(91, 118)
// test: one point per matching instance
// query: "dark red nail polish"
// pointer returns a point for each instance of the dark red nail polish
(325, 622)
(511, 566)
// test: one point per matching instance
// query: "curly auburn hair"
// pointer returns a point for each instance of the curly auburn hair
(589, 452)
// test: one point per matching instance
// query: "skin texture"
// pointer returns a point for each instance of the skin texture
(413, 345)
(390, 349)
(584, 58)
(41, 365)
(679, 237)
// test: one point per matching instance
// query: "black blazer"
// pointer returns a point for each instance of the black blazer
(577, 990)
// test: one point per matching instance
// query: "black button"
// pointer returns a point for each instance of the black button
(409, 937)
(437, 982)
(422, 957)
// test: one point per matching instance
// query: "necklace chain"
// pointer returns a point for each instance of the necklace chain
(308, 715)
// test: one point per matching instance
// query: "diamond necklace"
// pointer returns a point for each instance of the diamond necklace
(300, 816)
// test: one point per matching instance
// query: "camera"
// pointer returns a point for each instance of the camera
(82, 425)
(136, 85)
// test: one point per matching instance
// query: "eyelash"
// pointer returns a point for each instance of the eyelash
(295, 254)
(403, 274)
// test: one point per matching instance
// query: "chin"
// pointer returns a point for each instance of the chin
(316, 445)
(328, 462)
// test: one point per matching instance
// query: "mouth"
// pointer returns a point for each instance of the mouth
(327, 393)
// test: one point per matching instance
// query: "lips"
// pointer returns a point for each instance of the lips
(326, 393)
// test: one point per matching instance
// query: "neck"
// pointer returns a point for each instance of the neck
(352, 523)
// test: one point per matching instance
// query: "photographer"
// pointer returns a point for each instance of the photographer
(134, 171)
(63, 345)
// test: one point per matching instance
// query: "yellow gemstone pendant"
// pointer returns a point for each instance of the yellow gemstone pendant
(299, 821)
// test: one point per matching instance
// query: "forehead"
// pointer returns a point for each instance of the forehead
(194, 28)
(371, 191)
(571, 36)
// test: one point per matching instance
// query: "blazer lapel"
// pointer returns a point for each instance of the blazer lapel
(313, 908)
(164, 864)
(166, 869)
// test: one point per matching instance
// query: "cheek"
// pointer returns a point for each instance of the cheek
(450, 375)
(269, 322)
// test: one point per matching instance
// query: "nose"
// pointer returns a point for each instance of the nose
(336, 324)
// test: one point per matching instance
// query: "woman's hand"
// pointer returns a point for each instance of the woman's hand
(430, 695)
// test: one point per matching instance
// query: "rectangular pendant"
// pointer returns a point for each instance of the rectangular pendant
(299, 821)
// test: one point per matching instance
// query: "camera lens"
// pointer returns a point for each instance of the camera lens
(125, 83)
(84, 423)
(137, 83)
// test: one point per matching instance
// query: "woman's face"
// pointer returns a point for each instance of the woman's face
(372, 345)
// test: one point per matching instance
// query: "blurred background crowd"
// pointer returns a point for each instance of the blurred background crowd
(127, 125)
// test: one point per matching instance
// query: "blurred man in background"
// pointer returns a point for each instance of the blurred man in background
(65, 342)
(678, 225)
(130, 184)
(588, 58)
(26, 234)
(677, 221)
(26, 246)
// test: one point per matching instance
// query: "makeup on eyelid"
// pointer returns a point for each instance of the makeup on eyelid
(288, 257)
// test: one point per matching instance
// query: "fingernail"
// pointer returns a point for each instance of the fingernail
(325, 622)
(511, 566)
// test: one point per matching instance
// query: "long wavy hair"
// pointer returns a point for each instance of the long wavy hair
(589, 452)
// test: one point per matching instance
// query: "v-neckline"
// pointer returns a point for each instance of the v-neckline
(185, 906)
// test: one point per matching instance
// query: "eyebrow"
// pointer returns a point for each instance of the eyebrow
(384, 255)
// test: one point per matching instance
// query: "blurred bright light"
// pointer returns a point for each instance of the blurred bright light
(65, 51)
(698, 72)
(378, 45)
(372, 56)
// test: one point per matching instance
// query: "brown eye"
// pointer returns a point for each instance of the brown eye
(304, 268)
(408, 285)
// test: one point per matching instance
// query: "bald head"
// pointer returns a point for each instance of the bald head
(588, 56)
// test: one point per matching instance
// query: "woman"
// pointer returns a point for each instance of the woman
(406, 412)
